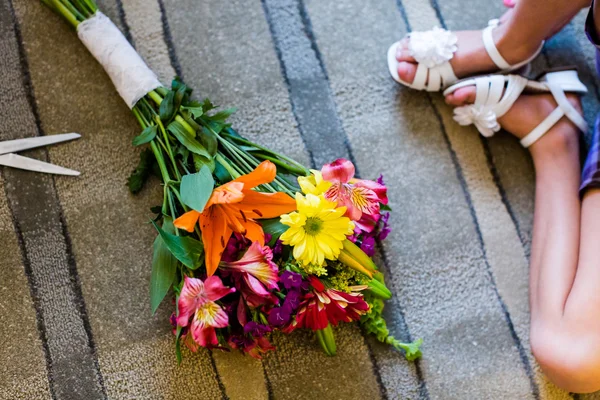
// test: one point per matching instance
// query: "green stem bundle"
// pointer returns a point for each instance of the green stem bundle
(231, 157)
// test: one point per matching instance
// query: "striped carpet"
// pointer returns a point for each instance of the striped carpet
(309, 78)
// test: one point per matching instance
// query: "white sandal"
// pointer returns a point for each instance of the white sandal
(435, 48)
(497, 93)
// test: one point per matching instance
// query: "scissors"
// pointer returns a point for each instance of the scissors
(9, 159)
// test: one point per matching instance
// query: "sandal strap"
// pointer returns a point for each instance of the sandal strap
(495, 95)
(436, 77)
(565, 108)
(432, 50)
(490, 46)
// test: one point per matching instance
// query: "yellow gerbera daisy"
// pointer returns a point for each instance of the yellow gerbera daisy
(314, 183)
(316, 230)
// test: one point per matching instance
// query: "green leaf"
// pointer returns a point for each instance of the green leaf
(233, 133)
(146, 136)
(209, 140)
(200, 162)
(216, 122)
(196, 111)
(385, 207)
(186, 139)
(274, 228)
(167, 109)
(139, 176)
(186, 249)
(221, 173)
(196, 189)
(222, 115)
(188, 118)
(164, 267)
(207, 105)
(176, 83)
(179, 96)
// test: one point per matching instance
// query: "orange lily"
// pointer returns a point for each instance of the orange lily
(233, 207)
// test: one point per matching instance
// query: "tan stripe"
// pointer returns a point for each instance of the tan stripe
(145, 25)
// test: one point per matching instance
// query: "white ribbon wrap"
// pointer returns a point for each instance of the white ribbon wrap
(129, 73)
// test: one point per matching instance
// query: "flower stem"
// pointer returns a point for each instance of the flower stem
(64, 11)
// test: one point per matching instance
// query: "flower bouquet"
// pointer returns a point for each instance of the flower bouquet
(249, 240)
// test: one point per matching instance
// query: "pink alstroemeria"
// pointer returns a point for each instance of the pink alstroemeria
(258, 273)
(360, 197)
(198, 302)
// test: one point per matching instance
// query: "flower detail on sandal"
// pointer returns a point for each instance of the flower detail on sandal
(432, 47)
(482, 117)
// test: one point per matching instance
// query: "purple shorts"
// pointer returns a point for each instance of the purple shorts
(590, 176)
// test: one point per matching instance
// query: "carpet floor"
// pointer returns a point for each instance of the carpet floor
(310, 79)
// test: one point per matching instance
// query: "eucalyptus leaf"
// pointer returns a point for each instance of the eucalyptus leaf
(164, 267)
(186, 249)
(146, 136)
(196, 188)
(186, 139)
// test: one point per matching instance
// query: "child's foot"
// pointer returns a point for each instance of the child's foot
(470, 58)
(527, 113)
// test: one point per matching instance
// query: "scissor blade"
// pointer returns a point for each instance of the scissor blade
(17, 161)
(13, 146)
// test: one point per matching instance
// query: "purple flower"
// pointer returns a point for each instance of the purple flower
(279, 316)
(368, 245)
(256, 330)
(380, 180)
(291, 280)
(278, 248)
(292, 300)
(384, 227)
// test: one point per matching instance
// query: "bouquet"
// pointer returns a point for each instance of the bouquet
(249, 240)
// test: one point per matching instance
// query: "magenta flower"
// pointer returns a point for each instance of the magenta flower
(255, 275)
(360, 197)
(197, 301)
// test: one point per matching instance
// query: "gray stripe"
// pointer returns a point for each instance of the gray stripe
(315, 110)
(45, 243)
(310, 95)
